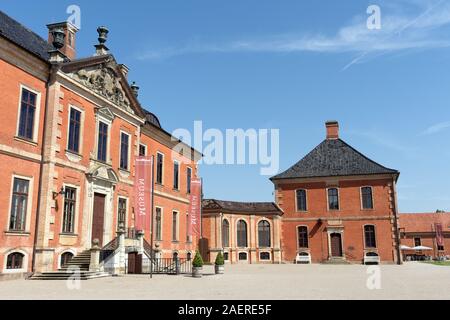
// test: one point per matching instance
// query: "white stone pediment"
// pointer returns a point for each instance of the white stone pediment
(103, 173)
(103, 80)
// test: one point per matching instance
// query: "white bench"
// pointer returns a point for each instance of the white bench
(303, 258)
(371, 258)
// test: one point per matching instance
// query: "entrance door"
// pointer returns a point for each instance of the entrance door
(336, 244)
(134, 263)
(98, 219)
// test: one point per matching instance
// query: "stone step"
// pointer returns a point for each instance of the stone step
(337, 261)
(61, 275)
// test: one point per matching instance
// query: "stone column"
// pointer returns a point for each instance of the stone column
(94, 265)
(120, 266)
(252, 235)
(277, 239)
(140, 239)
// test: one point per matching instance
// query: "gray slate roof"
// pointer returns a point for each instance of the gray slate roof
(334, 158)
(23, 37)
(241, 207)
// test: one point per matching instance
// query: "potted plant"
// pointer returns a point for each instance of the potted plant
(197, 265)
(219, 265)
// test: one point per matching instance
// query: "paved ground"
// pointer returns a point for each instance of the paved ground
(271, 282)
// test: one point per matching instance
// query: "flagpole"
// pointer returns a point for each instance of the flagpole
(152, 217)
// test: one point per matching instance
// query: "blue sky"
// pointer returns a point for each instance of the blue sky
(288, 65)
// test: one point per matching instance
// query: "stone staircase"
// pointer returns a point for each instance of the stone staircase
(76, 269)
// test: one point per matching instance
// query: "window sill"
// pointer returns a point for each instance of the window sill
(18, 233)
(68, 235)
(124, 173)
(175, 241)
(176, 190)
(25, 140)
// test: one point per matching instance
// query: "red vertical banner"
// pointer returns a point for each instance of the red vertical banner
(195, 208)
(439, 234)
(143, 192)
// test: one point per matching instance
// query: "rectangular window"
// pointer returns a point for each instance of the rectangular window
(303, 237)
(70, 199)
(188, 222)
(417, 242)
(367, 198)
(102, 141)
(74, 131)
(19, 205)
(369, 234)
(176, 175)
(159, 168)
(124, 144)
(333, 199)
(441, 248)
(158, 218)
(174, 226)
(142, 150)
(27, 114)
(122, 213)
(188, 179)
(301, 200)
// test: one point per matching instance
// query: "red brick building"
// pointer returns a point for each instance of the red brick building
(69, 134)
(421, 230)
(339, 206)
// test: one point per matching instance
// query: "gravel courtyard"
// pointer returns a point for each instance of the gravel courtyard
(252, 282)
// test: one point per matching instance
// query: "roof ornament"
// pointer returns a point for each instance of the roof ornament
(135, 89)
(101, 48)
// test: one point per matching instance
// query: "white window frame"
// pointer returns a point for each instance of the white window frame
(364, 237)
(77, 208)
(162, 169)
(265, 260)
(80, 142)
(257, 233)
(162, 223)
(361, 197)
(296, 201)
(145, 146)
(126, 210)
(29, 202)
(128, 151)
(178, 226)
(248, 234)
(37, 114)
(339, 199)
(63, 252)
(179, 174)
(108, 141)
(298, 238)
(24, 262)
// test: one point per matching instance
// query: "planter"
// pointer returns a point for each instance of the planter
(219, 269)
(197, 272)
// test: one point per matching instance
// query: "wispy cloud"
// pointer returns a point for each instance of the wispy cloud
(436, 128)
(425, 28)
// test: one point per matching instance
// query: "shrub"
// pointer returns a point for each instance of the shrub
(219, 260)
(198, 261)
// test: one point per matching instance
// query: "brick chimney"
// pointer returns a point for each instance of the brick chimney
(69, 30)
(332, 130)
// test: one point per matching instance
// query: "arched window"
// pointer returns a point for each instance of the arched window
(225, 234)
(243, 256)
(189, 256)
(65, 258)
(264, 256)
(242, 234)
(369, 235)
(264, 234)
(303, 237)
(175, 255)
(14, 261)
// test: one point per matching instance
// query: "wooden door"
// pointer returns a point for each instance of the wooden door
(134, 263)
(98, 219)
(336, 245)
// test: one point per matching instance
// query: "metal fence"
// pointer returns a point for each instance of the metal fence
(168, 266)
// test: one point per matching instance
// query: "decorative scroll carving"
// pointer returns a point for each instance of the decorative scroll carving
(104, 81)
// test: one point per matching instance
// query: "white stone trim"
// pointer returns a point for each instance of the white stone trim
(80, 142)
(306, 200)
(24, 261)
(361, 199)
(128, 151)
(29, 201)
(37, 114)
(126, 210)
